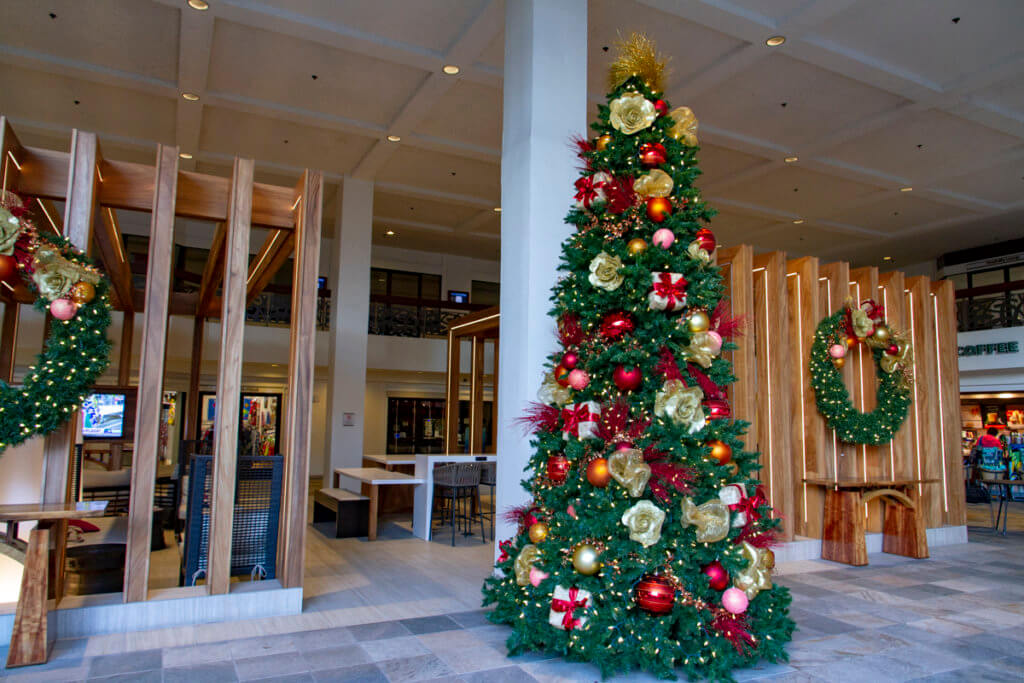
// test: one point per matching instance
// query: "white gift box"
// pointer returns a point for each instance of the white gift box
(662, 297)
(558, 618)
(731, 495)
(586, 426)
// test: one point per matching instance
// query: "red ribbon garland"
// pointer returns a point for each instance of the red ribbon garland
(569, 606)
(574, 415)
(672, 291)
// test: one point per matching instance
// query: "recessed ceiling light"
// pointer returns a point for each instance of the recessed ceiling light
(394, 138)
(906, 189)
(798, 221)
(389, 233)
(190, 96)
(450, 69)
(887, 258)
(497, 209)
(775, 41)
(199, 4)
(791, 160)
(185, 155)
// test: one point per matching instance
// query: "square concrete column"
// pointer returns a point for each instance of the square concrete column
(350, 311)
(545, 104)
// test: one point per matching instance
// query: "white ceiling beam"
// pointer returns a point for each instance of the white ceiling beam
(77, 69)
(195, 42)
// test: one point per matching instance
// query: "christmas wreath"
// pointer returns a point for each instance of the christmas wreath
(76, 353)
(893, 359)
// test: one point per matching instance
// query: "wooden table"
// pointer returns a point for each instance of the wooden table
(43, 574)
(375, 478)
(424, 504)
(903, 531)
(393, 499)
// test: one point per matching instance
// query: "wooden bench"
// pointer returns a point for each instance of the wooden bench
(349, 511)
(375, 477)
(903, 531)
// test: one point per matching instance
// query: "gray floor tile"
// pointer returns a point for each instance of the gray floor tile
(364, 673)
(414, 668)
(336, 657)
(269, 666)
(430, 624)
(109, 665)
(471, 619)
(379, 630)
(324, 638)
(152, 676)
(248, 648)
(826, 625)
(201, 673)
(394, 648)
(196, 654)
(507, 674)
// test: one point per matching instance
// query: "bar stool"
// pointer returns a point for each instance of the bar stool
(488, 478)
(458, 485)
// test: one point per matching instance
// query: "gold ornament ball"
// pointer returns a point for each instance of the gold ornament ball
(699, 322)
(82, 292)
(538, 532)
(597, 472)
(839, 362)
(585, 559)
(734, 469)
(636, 246)
(603, 142)
(881, 334)
(769, 561)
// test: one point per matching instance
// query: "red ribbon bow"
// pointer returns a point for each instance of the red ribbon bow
(749, 505)
(575, 414)
(569, 606)
(587, 190)
(672, 291)
(874, 311)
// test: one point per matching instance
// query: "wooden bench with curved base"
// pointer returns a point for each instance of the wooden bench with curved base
(903, 531)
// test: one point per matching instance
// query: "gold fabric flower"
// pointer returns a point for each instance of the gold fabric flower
(655, 183)
(702, 350)
(552, 392)
(644, 522)
(524, 561)
(861, 323)
(10, 228)
(604, 272)
(698, 254)
(903, 358)
(685, 126)
(629, 469)
(631, 113)
(55, 275)
(757, 576)
(710, 518)
(680, 404)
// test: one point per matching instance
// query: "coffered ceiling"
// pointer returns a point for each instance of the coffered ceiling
(871, 95)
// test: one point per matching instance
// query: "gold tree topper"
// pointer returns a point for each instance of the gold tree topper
(637, 57)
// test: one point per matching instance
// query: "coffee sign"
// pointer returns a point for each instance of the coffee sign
(988, 349)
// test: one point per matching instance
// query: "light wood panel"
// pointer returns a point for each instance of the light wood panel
(948, 372)
(924, 412)
(833, 282)
(9, 340)
(124, 364)
(898, 459)
(476, 397)
(195, 368)
(737, 264)
(213, 272)
(30, 637)
(271, 257)
(13, 157)
(299, 409)
(773, 373)
(115, 261)
(451, 402)
(229, 384)
(151, 375)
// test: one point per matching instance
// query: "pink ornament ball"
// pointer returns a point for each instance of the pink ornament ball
(579, 379)
(734, 601)
(570, 360)
(571, 510)
(663, 237)
(536, 576)
(63, 309)
(837, 351)
(716, 341)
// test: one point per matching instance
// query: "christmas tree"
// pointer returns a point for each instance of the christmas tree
(647, 542)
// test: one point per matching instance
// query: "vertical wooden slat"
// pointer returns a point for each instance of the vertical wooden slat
(864, 285)
(476, 397)
(299, 411)
(948, 371)
(451, 402)
(229, 377)
(808, 426)
(737, 264)
(840, 458)
(773, 372)
(79, 209)
(924, 412)
(897, 457)
(151, 375)
(9, 341)
(195, 368)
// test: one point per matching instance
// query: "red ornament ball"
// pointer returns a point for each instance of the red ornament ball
(8, 267)
(597, 473)
(706, 240)
(627, 379)
(653, 154)
(617, 324)
(718, 578)
(655, 594)
(659, 208)
(661, 106)
(558, 469)
(892, 350)
(569, 360)
(562, 375)
(717, 409)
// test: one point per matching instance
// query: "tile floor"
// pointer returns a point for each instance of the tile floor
(958, 616)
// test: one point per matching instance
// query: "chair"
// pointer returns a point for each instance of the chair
(458, 486)
(489, 478)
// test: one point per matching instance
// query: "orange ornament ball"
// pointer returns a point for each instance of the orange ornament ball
(82, 292)
(538, 532)
(562, 375)
(658, 209)
(636, 246)
(597, 473)
(603, 142)
(839, 362)
(720, 451)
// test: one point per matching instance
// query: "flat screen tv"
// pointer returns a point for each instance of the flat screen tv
(103, 416)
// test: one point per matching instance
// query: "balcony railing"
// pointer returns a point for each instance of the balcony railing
(274, 309)
(396, 316)
(989, 310)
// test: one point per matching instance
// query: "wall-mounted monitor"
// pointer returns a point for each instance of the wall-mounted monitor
(108, 414)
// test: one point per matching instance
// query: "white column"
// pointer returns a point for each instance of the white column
(545, 104)
(350, 310)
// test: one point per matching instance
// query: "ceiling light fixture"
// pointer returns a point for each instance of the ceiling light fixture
(190, 96)
(887, 258)
(200, 5)
(791, 160)
(185, 155)
(798, 221)
(450, 69)
(906, 189)
(775, 41)
(394, 138)
(389, 233)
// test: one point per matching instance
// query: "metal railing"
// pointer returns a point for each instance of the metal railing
(394, 316)
(990, 311)
(274, 309)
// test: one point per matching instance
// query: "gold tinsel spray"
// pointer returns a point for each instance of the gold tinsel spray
(637, 57)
